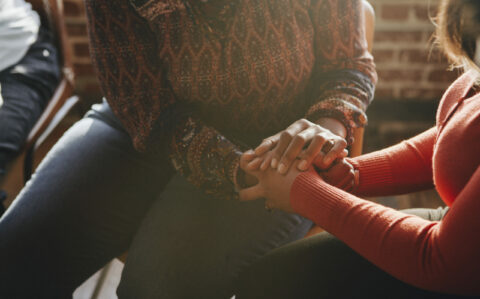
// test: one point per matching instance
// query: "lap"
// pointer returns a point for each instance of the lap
(80, 209)
(194, 246)
(93, 193)
(324, 267)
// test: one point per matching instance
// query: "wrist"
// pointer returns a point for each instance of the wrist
(333, 125)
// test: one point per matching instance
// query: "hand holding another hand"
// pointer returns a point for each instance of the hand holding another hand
(272, 185)
(341, 174)
(304, 141)
(275, 187)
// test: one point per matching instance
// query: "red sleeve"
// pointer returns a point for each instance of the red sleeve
(438, 256)
(402, 168)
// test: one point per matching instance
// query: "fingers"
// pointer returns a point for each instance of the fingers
(286, 138)
(313, 151)
(295, 148)
(251, 193)
(348, 181)
(340, 175)
(255, 163)
(267, 144)
(246, 158)
(266, 161)
(327, 156)
(335, 152)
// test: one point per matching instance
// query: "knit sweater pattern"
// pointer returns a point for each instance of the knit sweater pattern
(202, 95)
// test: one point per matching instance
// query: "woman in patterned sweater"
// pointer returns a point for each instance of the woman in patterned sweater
(192, 84)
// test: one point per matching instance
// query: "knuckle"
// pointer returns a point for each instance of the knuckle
(303, 121)
(342, 143)
(320, 138)
(286, 135)
(300, 140)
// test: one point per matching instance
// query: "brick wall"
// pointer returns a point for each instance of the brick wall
(407, 66)
(86, 82)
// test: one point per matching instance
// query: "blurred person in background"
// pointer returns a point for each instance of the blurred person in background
(29, 74)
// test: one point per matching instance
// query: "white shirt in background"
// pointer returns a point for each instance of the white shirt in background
(19, 26)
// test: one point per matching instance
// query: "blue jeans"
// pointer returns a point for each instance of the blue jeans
(94, 197)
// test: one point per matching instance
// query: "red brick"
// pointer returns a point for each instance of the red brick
(442, 75)
(413, 56)
(425, 11)
(384, 93)
(416, 93)
(383, 56)
(73, 8)
(76, 30)
(395, 12)
(389, 75)
(398, 36)
(81, 50)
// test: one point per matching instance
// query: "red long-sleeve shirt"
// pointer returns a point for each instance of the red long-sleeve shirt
(440, 256)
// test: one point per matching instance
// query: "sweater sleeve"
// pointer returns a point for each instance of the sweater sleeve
(438, 256)
(344, 77)
(125, 55)
(402, 168)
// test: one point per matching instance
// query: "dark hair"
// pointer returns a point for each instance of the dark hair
(458, 27)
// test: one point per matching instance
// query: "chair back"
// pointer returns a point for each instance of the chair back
(51, 14)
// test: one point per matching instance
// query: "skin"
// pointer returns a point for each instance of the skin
(275, 187)
(320, 143)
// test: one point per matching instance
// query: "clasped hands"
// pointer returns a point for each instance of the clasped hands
(303, 147)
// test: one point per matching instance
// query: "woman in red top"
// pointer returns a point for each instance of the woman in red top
(381, 252)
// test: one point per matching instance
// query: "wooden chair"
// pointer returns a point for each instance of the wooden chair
(51, 13)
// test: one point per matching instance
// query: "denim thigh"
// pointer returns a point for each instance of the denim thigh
(80, 209)
(193, 246)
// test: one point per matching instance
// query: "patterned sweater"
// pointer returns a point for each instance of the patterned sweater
(203, 95)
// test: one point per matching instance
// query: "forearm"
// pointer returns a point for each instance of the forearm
(402, 168)
(335, 126)
(441, 256)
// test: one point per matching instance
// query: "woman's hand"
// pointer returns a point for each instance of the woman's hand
(341, 174)
(272, 186)
(304, 141)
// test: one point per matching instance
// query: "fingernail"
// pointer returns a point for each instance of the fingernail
(282, 168)
(302, 165)
(274, 163)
